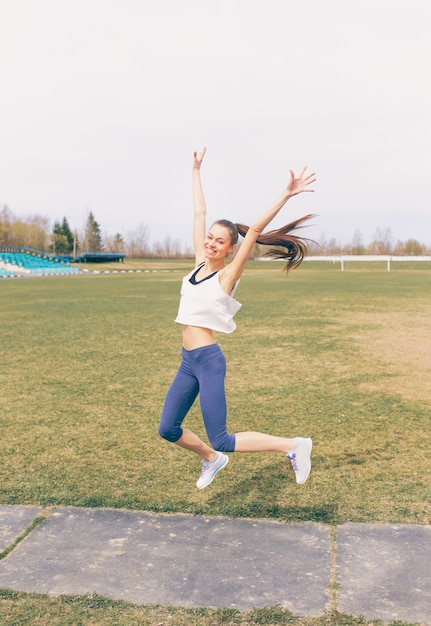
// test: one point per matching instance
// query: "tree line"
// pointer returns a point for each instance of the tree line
(36, 232)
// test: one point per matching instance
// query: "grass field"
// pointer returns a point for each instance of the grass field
(19, 609)
(343, 357)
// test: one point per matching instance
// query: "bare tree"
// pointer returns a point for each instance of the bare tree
(382, 242)
(137, 242)
(333, 246)
(171, 248)
(356, 246)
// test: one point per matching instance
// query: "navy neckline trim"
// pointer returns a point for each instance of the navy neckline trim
(193, 280)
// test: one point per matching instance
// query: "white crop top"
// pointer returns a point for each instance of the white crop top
(204, 303)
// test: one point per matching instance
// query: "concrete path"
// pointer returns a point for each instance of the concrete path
(382, 571)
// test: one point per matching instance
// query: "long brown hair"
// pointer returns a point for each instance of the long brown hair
(295, 248)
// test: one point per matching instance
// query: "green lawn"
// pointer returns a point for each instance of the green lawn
(341, 356)
(19, 609)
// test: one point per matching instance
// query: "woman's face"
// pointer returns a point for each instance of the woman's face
(218, 242)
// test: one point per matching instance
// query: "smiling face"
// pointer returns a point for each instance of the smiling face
(218, 242)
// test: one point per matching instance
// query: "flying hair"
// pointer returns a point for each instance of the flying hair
(290, 247)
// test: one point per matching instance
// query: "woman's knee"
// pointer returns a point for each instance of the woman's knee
(170, 434)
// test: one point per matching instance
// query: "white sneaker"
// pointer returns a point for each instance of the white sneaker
(299, 456)
(210, 469)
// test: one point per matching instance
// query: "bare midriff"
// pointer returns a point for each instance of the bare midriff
(197, 337)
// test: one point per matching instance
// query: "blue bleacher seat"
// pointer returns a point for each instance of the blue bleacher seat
(32, 263)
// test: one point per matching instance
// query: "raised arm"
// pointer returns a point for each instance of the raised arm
(200, 209)
(296, 185)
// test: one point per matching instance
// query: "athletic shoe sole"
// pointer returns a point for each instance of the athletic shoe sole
(305, 446)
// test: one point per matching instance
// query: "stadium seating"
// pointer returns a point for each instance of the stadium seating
(27, 262)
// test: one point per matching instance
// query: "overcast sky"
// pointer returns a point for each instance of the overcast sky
(102, 103)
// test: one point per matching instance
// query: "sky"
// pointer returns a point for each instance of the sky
(103, 102)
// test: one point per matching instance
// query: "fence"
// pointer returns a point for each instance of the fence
(388, 259)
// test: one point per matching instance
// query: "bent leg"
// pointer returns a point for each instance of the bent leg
(190, 441)
(178, 402)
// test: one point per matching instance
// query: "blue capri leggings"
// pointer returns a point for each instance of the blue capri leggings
(201, 371)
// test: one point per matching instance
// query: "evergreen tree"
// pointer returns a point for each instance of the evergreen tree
(93, 237)
(118, 243)
(58, 240)
(65, 228)
(62, 237)
(5, 223)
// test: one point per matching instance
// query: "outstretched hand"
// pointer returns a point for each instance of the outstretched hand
(198, 158)
(300, 184)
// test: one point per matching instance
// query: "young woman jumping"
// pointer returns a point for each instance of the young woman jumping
(207, 304)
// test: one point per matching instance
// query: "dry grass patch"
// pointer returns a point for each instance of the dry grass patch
(397, 343)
